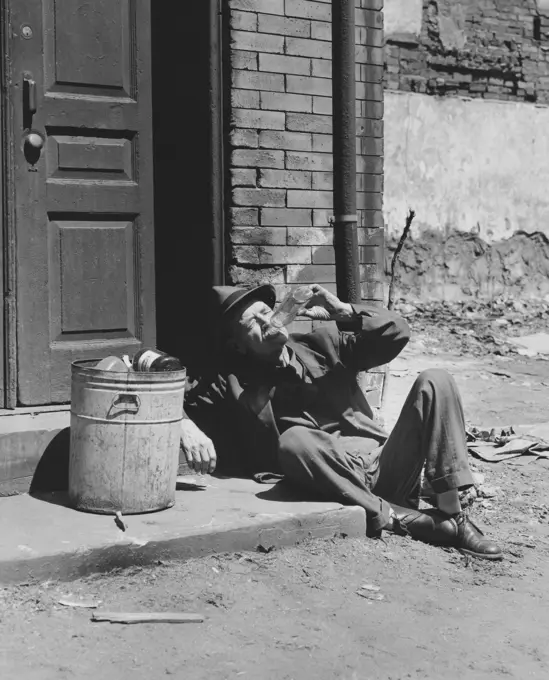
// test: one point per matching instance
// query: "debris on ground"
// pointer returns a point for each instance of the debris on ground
(368, 595)
(532, 345)
(370, 592)
(119, 521)
(146, 617)
(501, 326)
(495, 445)
(79, 604)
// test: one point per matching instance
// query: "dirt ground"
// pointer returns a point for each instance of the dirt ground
(301, 613)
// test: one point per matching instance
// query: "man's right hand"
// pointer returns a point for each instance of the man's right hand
(325, 306)
(198, 448)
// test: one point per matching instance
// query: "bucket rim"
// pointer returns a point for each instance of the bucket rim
(83, 365)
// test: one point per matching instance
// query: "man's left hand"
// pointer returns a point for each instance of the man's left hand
(325, 306)
(198, 448)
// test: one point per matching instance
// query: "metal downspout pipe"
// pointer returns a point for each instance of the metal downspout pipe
(345, 237)
(215, 156)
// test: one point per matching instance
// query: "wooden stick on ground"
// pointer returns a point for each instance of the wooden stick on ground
(391, 297)
(147, 617)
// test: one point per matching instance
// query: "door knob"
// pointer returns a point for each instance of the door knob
(34, 140)
(33, 143)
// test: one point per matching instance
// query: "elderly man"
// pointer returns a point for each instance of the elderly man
(291, 405)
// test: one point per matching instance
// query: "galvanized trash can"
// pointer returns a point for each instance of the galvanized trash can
(125, 433)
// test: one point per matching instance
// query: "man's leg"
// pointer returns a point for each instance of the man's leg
(430, 432)
(318, 461)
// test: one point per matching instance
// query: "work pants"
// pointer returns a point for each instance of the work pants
(429, 434)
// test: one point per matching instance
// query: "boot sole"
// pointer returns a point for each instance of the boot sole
(442, 544)
(481, 556)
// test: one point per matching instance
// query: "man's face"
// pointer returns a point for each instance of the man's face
(254, 335)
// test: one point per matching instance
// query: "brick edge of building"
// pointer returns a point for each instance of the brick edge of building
(279, 148)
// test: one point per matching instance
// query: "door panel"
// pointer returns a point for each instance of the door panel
(78, 157)
(87, 46)
(84, 208)
(86, 279)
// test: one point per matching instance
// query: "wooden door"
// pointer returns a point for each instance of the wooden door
(80, 82)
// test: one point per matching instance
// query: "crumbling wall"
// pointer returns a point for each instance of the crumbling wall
(492, 49)
(466, 120)
(435, 266)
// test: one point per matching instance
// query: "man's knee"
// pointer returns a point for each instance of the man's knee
(296, 444)
(437, 379)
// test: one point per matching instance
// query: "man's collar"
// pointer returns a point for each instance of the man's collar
(314, 362)
(285, 357)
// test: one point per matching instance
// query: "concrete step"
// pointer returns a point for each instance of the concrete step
(41, 538)
(34, 449)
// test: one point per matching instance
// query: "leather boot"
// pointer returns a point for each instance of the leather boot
(433, 526)
(430, 526)
(471, 540)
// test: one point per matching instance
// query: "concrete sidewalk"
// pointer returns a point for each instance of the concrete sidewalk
(42, 539)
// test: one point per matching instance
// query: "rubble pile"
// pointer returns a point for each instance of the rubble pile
(478, 327)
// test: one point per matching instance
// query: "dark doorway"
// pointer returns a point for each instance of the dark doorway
(185, 262)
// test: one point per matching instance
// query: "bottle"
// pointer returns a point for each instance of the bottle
(290, 306)
(111, 363)
(154, 361)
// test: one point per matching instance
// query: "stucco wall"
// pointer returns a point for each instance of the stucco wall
(466, 165)
(477, 174)
(403, 17)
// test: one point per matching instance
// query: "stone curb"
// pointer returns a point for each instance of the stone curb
(264, 534)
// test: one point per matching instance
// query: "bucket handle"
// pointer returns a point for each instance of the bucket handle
(126, 403)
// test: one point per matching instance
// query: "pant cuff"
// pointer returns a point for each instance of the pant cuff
(460, 480)
(381, 519)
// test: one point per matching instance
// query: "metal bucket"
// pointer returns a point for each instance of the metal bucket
(125, 433)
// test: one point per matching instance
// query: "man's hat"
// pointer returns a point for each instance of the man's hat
(226, 298)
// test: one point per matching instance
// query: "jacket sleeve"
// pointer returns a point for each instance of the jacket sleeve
(379, 336)
(205, 404)
(219, 408)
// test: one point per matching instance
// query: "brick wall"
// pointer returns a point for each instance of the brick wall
(494, 49)
(281, 143)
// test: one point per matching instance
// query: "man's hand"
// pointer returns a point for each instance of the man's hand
(325, 306)
(199, 449)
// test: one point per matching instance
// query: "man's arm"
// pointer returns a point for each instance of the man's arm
(201, 416)
(377, 336)
(373, 336)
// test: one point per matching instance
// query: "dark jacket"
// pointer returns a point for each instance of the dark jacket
(230, 409)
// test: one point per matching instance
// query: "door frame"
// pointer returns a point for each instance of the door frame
(8, 332)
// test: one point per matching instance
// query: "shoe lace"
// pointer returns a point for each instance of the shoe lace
(464, 517)
(400, 527)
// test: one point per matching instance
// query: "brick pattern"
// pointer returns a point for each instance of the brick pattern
(491, 49)
(281, 143)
